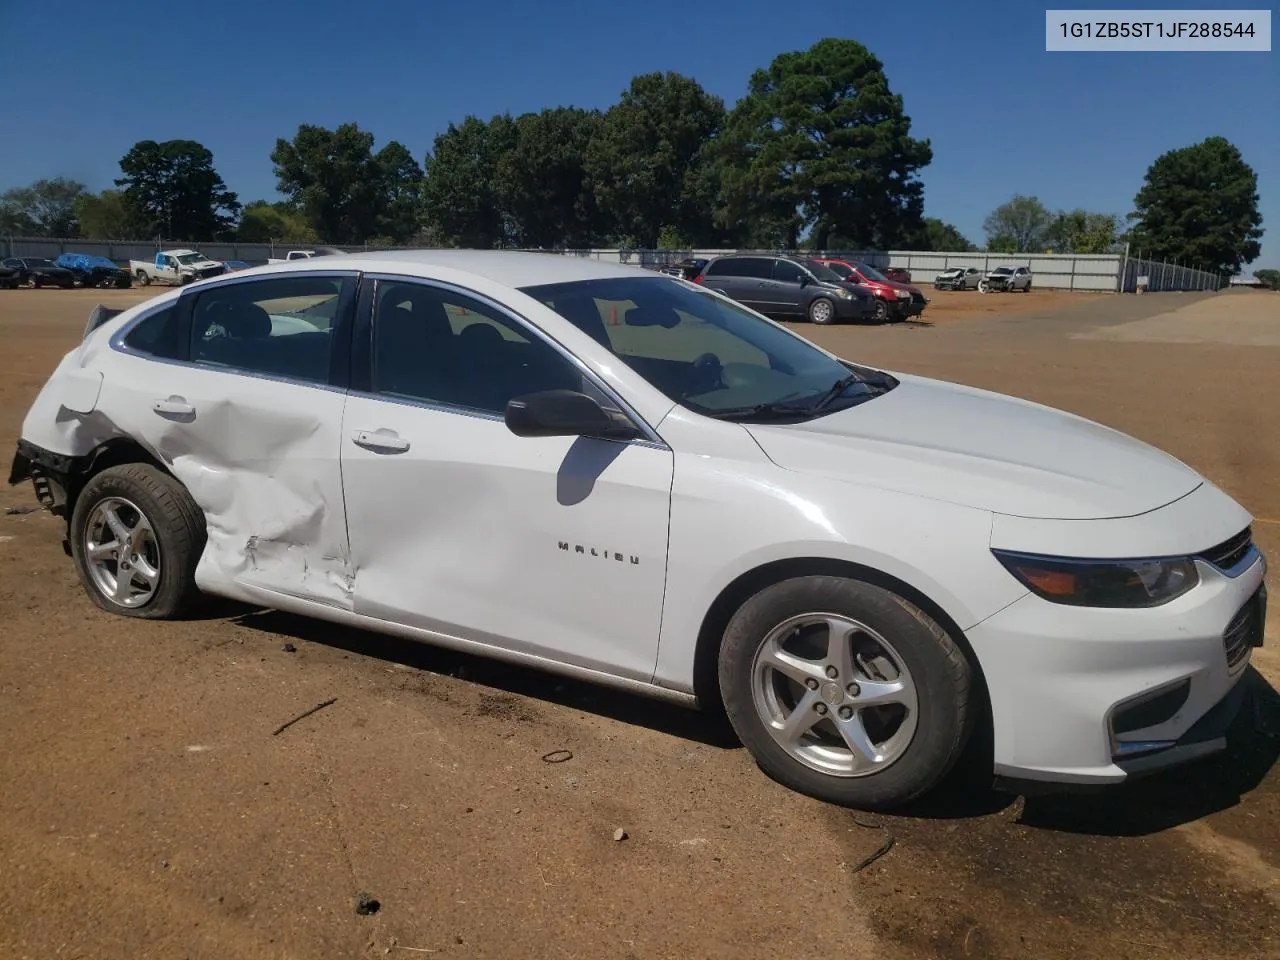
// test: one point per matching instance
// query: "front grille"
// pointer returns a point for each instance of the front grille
(1245, 630)
(1230, 552)
(917, 298)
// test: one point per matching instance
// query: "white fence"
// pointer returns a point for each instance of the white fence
(1099, 272)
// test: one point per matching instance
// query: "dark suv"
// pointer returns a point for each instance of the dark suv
(787, 288)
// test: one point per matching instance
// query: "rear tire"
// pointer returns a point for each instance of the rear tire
(879, 645)
(157, 532)
(822, 311)
(144, 280)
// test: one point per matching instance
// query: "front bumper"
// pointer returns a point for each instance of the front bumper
(1092, 696)
(859, 308)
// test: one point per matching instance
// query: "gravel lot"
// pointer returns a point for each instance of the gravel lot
(147, 810)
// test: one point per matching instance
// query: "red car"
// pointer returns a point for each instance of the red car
(894, 300)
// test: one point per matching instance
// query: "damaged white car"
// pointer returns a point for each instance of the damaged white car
(610, 473)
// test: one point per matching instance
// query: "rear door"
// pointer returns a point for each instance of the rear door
(239, 387)
(725, 275)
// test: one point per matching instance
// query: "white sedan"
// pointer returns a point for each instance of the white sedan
(610, 473)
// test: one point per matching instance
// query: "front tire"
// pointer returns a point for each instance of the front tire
(845, 691)
(33, 282)
(822, 311)
(882, 311)
(136, 536)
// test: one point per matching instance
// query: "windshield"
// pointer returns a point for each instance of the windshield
(191, 258)
(1002, 270)
(871, 273)
(822, 272)
(704, 351)
(842, 270)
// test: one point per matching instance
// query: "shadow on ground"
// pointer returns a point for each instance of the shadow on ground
(706, 727)
(1148, 806)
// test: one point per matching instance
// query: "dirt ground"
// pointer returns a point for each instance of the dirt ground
(147, 809)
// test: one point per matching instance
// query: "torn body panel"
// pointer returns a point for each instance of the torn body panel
(258, 456)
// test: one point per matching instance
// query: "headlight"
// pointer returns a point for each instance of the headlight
(1102, 583)
(904, 294)
(841, 292)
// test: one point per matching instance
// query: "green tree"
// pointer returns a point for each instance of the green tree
(1199, 205)
(1018, 226)
(1079, 231)
(541, 181)
(644, 163)
(264, 222)
(401, 183)
(171, 188)
(821, 141)
(106, 216)
(47, 208)
(934, 234)
(1270, 277)
(461, 202)
(347, 193)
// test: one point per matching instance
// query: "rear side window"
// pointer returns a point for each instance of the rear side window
(156, 335)
(282, 326)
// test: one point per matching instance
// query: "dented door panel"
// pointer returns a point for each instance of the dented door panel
(260, 458)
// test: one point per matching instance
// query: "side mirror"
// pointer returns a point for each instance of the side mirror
(805, 279)
(562, 413)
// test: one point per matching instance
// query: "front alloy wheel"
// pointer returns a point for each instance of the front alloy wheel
(822, 311)
(835, 694)
(845, 691)
(882, 311)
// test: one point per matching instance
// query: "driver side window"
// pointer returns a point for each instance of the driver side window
(785, 271)
(436, 346)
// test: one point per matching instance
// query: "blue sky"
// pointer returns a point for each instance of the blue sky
(1004, 116)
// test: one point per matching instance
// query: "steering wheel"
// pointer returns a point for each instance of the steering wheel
(708, 372)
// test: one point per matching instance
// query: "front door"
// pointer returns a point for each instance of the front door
(550, 546)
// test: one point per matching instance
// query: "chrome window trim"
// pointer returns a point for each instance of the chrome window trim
(651, 437)
(116, 342)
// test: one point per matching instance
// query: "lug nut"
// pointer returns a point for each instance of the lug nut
(811, 684)
(821, 708)
(846, 713)
(832, 672)
(853, 689)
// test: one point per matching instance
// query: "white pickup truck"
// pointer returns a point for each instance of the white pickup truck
(297, 255)
(175, 267)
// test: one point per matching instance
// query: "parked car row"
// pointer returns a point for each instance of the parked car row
(971, 278)
(822, 290)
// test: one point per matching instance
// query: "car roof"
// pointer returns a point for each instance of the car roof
(508, 267)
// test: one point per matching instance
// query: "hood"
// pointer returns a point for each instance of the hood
(53, 269)
(858, 290)
(979, 449)
(953, 272)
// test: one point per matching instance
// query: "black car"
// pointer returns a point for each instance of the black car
(8, 277)
(40, 272)
(686, 269)
(788, 288)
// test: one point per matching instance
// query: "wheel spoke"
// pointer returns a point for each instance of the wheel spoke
(800, 719)
(878, 693)
(854, 735)
(115, 523)
(123, 585)
(103, 551)
(839, 647)
(142, 530)
(789, 665)
(146, 571)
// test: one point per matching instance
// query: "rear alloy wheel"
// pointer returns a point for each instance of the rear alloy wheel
(822, 311)
(845, 691)
(136, 536)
